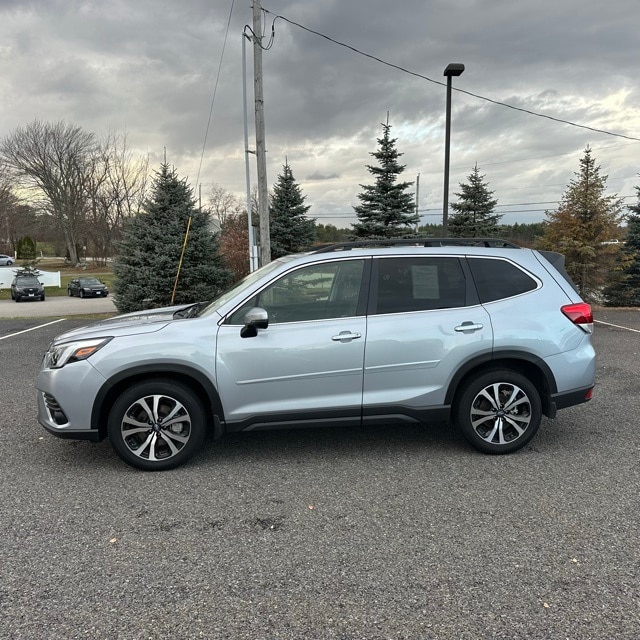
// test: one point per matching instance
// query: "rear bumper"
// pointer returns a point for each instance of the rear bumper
(571, 398)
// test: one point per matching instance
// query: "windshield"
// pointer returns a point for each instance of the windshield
(27, 282)
(89, 281)
(243, 284)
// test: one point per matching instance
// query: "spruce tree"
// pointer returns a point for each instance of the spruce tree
(585, 220)
(289, 228)
(625, 291)
(474, 217)
(149, 254)
(387, 210)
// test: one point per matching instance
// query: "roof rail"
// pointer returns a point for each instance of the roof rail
(417, 242)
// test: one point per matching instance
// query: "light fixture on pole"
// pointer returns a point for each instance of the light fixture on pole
(453, 69)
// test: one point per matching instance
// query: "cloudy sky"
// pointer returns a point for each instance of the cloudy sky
(149, 68)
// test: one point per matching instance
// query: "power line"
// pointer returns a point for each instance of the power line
(442, 84)
(215, 90)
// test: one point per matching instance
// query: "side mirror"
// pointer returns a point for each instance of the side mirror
(256, 318)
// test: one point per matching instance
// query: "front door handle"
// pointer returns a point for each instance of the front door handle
(468, 326)
(346, 336)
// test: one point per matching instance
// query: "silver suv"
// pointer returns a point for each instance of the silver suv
(482, 332)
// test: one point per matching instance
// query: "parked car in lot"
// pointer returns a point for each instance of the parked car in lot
(5, 261)
(87, 288)
(27, 287)
(482, 332)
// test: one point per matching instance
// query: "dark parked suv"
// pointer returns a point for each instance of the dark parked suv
(27, 288)
(484, 333)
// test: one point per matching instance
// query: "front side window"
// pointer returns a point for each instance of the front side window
(315, 292)
(418, 284)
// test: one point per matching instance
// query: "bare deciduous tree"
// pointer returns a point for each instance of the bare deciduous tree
(17, 219)
(116, 188)
(55, 159)
(222, 204)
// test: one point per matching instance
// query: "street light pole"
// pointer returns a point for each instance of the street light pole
(452, 69)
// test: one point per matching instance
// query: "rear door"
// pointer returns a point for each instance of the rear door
(424, 323)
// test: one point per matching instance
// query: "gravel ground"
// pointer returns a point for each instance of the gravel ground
(398, 533)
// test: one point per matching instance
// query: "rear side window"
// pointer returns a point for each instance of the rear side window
(417, 284)
(498, 279)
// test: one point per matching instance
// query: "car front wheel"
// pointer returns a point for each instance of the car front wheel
(499, 412)
(157, 425)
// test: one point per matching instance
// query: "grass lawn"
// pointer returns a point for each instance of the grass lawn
(67, 273)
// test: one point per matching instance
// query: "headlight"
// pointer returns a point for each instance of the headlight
(59, 355)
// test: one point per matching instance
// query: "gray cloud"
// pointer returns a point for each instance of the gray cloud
(149, 68)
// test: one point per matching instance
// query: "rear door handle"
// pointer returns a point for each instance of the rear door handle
(346, 336)
(468, 326)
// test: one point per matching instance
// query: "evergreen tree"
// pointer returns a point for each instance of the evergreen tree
(474, 217)
(585, 220)
(329, 233)
(149, 254)
(387, 210)
(625, 292)
(289, 228)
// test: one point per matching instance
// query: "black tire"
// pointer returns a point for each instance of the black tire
(18, 299)
(69, 292)
(498, 412)
(81, 293)
(150, 445)
(42, 297)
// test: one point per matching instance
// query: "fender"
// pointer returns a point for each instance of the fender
(142, 371)
(496, 356)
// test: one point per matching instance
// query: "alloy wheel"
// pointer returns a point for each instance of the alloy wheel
(156, 427)
(500, 413)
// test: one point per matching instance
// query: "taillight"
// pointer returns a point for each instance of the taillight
(580, 314)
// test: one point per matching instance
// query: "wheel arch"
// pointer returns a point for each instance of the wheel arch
(529, 365)
(195, 380)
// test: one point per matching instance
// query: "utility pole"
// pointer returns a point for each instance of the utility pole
(417, 201)
(263, 192)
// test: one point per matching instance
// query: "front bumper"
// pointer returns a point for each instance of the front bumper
(65, 400)
(98, 293)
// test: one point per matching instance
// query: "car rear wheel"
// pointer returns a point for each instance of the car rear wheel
(157, 425)
(499, 412)
(81, 293)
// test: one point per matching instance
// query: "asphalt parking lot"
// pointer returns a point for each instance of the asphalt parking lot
(398, 533)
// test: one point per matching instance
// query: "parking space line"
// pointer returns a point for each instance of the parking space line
(40, 326)
(617, 326)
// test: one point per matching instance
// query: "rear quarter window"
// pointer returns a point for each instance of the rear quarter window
(498, 279)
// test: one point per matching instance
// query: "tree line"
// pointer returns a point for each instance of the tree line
(87, 194)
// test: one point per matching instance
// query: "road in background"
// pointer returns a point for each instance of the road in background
(53, 306)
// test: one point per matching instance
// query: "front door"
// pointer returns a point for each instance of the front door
(306, 367)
